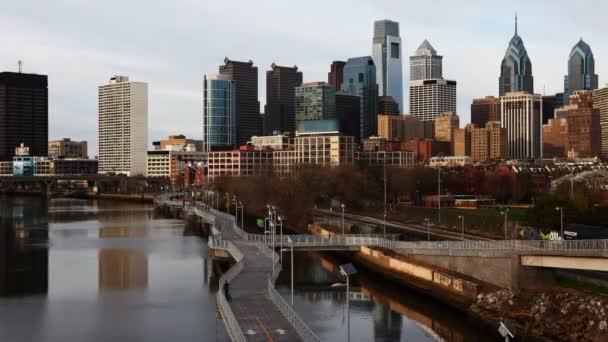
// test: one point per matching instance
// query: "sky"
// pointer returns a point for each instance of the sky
(170, 45)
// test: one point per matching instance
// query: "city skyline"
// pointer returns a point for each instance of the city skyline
(172, 58)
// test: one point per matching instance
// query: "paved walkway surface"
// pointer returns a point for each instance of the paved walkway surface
(258, 317)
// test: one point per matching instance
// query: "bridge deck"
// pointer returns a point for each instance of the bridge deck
(251, 305)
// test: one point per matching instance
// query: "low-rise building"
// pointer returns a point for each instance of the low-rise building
(450, 161)
(325, 150)
(66, 148)
(275, 142)
(239, 163)
(73, 166)
(6, 168)
(372, 144)
(158, 164)
(381, 158)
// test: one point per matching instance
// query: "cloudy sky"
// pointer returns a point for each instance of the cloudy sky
(80, 44)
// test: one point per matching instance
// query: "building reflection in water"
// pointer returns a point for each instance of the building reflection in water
(24, 252)
(122, 268)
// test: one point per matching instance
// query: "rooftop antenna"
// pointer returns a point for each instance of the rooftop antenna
(20, 63)
(516, 23)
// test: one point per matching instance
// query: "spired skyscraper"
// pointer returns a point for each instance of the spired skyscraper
(581, 71)
(386, 53)
(516, 68)
(426, 63)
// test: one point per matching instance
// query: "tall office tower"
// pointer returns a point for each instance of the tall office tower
(431, 98)
(522, 117)
(386, 52)
(315, 107)
(484, 110)
(550, 104)
(516, 68)
(24, 113)
(583, 121)
(445, 125)
(555, 138)
(426, 63)
(581, 71)
(281, 83)
(123, 126)
(66, 148)
(461, 145)
(348, 111)
(387, 105)
(248, 119)
(600, 101)
(219, 113)
(336, 74)
(360, 80)
(400, 127)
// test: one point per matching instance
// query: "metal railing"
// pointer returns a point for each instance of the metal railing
(301, 328)
(232, 324)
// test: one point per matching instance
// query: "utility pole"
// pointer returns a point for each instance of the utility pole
(384, 224)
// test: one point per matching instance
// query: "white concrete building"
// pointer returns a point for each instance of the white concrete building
(432, 98)
(521, 115)
(123, 126)
(158, 164)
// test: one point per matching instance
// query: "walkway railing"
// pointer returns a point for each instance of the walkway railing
(232, 325)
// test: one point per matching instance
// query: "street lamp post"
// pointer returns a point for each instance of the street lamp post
(242, 215)
(428, 229)
(342, 206)
(384, 222)
(561, 220)
(461, 217)
(347, 270)
(505, 213)
(290, 242)
(281, 237)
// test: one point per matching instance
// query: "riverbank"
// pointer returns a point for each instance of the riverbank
(142, 198)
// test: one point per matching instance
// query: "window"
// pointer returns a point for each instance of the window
(394, 50)
(361, 77)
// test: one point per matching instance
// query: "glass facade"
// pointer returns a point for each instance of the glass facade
(315, 101)
(581, 71)
(360, 80)
(219, 116)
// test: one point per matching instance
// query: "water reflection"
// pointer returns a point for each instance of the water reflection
(23, 255)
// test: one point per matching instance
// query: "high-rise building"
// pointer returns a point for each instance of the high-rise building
(583, 121)
(24, 113)
(516, 68)
(550, 104)
(386, 53)
(336, 74)
(484, 110)
(123, 126)
(348, 110)
(487, 143)
(66, 148)
(431, 98)
(497, 140)
(522, 117)
(581, 71)
(360, 80)
(387, 105)
(281, 83)
(426, 64)
(315, 101)
(600, 101)
(220, 119)
(248, 119)
(400, 127)
(555, 138)
(445, 126)
(461, 146)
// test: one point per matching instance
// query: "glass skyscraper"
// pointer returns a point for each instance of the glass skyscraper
(516, 68)
(426, 63)
(386, 53)
(360, 80)
(219, 113)
(581, 71)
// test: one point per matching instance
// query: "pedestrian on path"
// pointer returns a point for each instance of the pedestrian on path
(227, 290)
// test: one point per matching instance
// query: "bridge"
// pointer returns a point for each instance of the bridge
(258, 312)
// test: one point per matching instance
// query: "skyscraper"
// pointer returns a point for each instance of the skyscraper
(426, 63)
(336, 74)
(431, 98)
(315, 108)
(248, 120)
(386, 53)
(521, 115)
(485, 110)
(24, 113)
(348, 111)
(281, 83)
(219, 113)
(583, 121)
(123, 126)
(581, 71)
(516, 68)
(387, 105)
(360, 80)
(445, 125)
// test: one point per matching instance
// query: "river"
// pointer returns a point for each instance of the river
(84, 270)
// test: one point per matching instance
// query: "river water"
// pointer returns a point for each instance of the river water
(83, 270)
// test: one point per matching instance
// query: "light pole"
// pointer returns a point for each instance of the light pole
(342, 206)
(439, 192)
(561, 220)
(505, 213)
(242, 215)
(572, 185)
(290, 243)
(384, 222)
(428, 229)
(281, 237)
(347, 270)
(461, 217)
